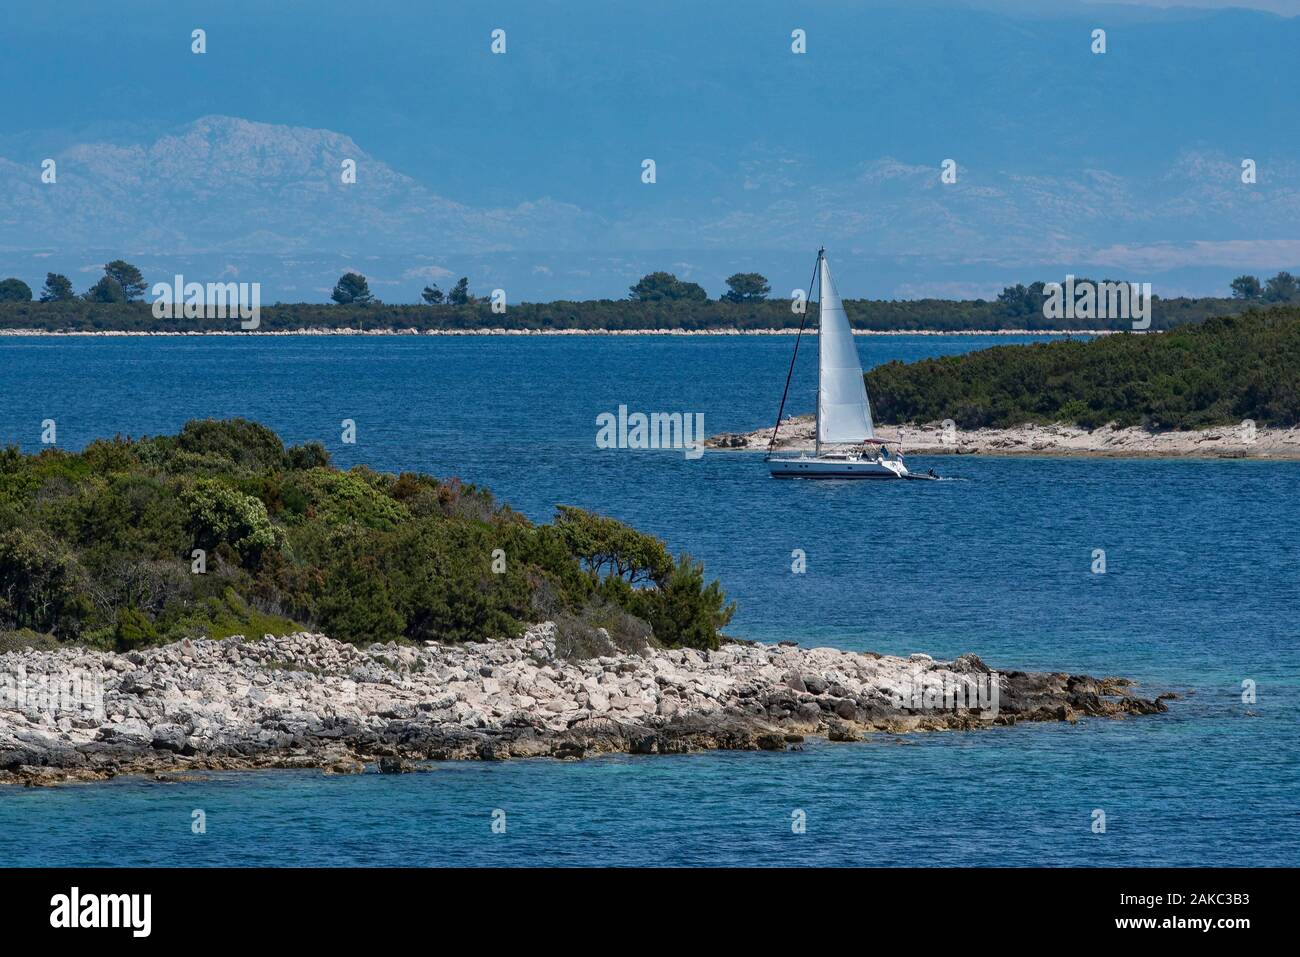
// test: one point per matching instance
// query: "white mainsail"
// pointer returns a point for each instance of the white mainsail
(843, 413)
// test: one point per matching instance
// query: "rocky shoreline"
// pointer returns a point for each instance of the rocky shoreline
(1224, 442)
(307, 701)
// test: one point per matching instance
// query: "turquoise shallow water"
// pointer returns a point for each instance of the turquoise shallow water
(1199, 594)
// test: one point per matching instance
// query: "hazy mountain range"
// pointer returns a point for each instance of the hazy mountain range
(523, 170)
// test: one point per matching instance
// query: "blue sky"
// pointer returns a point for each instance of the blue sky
(526, 167)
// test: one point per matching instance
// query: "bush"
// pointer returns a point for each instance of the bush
(626, 632)
(359, 497)
(679, 608)
(133, 630)
(685, 612)
(356, 604)
(245, 445)
(608, 547)
(221, 616)
(578, 640)
(25, 639)
(311, 455)
(219, 514)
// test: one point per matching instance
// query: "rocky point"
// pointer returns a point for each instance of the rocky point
(305, 700)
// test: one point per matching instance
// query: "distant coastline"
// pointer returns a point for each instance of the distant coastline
(659, 304)
(501, 331)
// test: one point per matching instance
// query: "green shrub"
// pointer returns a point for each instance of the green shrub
(219, 514)
(133, 630)
(342, 498)
(246, 445)
(310, 455)
(356, 605)
(608, 547)
(25, 639)
(684, 611)
(221, 616)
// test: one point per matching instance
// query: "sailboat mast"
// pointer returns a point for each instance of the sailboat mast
(817, 427)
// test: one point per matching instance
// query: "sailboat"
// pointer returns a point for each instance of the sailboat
(846, 445)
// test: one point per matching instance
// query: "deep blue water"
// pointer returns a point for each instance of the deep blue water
(1200, 594)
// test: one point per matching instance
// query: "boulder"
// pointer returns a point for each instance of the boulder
(170, 737)
(815, 684)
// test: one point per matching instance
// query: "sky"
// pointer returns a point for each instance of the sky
(524, 169)
(1287, 8)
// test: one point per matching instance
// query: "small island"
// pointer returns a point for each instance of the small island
(165, 601)
(1228, 387)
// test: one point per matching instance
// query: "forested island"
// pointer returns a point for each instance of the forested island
(1218, 372)
(659, 301)
(160, 600)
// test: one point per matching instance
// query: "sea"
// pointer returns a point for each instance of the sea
(1183, 575)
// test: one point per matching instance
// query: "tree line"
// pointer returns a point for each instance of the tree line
(121, 282)
(1282, 287)
(659, 300)
(353, 289)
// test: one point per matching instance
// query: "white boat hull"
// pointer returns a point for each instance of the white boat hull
(836, 468)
